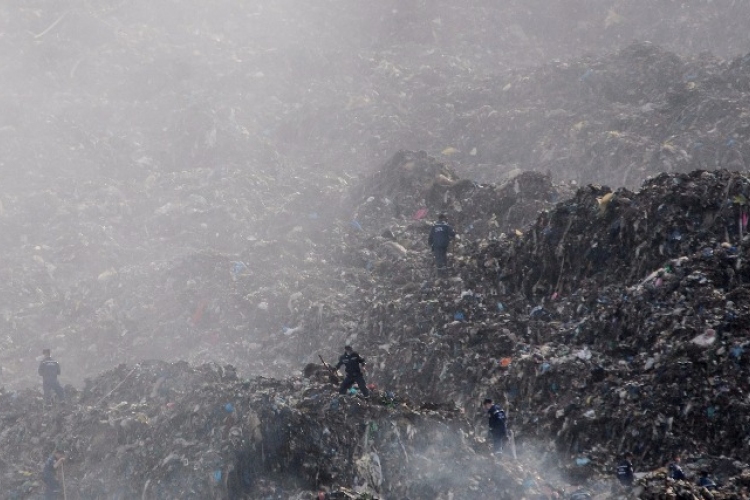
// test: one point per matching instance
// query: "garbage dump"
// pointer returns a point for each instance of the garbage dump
(615, 323)
(630, 338)
(169, 430)
(241, 222)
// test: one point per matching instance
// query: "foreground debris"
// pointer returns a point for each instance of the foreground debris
(160, 430)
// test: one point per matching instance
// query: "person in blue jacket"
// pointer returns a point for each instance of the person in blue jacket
(625, 473)
(53, 488)
(498, 427)
(706, 481)
(440, 237)
(353, 364)
(49, 370)
(675, 470)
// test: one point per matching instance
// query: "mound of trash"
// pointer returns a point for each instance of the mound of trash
(405, 78)
(615, 314)
(205, 206)
(168, 430)
(635, 327)
(601, 236)
(414, 187)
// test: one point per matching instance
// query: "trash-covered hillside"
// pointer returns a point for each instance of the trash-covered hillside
(160, 430)
(167, 430)
(199, 202)
(108, 92)
(591, 358)
(616, 322)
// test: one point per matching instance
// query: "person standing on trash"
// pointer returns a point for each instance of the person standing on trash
(625, 473)
(49, 370)
(353, 364)
(580, 494)
(675, 470)
(498, 427)
(52, 485)
(705, 481)
(440, 237)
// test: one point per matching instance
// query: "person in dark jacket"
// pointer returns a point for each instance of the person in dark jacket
(49, 370)
(352, 363)
(625, 473)
(706, 481)
(675, 470)
(498, 428)
(440, 237)
(580, 494)
(53, 488)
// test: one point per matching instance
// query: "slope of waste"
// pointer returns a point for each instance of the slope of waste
(172, 191)
(631, 338)
(617, 322)
(168, 431)
(188, 267)
(613, 119)
(378, 78)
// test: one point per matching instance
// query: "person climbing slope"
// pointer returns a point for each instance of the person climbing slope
(440, 237)
(49, 370)
(497, 423)
(353, 364)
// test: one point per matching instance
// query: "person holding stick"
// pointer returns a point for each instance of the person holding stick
(54, 489)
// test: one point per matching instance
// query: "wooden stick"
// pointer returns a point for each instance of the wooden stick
(62, 473)
(511, 434)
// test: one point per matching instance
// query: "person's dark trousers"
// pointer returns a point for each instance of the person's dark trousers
(53, 490)
(350, 380)
(498, 440)
(441, 257)
(52, 385)
(626, 481)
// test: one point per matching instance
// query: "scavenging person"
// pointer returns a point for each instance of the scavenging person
(706, 481)
(49, 369)
(498, 429)
(352, 362)
(580, 494)
(625, 470)
(53, 488)
(675, 470)
(440, 237)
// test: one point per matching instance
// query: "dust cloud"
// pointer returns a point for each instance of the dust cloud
(138, 139)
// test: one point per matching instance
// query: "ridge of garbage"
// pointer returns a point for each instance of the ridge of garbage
(580, 358)
(194, 211)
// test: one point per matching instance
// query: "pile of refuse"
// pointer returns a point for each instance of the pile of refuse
(279, 225)
(616, 322)
(603, 237)
(169, 430)
(406, 77)
(415, 187)
(604, 319)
